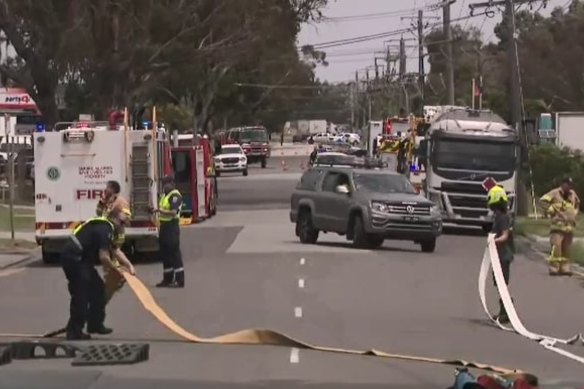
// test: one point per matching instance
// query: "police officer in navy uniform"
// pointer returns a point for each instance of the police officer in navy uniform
(169, 235)
(95, 239)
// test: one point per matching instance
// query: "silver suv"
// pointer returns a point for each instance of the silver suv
(366, 205)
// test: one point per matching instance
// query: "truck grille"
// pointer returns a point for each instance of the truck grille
(401, 209)
(463, 187)
(467, 202)
(230, 160)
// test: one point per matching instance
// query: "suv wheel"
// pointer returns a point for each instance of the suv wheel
(375, 242)
(264, 162)
(306, 231)
(428, 246)
(360, 238)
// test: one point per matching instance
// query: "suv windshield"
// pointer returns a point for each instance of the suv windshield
(383, 183)
(230, 150)
(255, 135)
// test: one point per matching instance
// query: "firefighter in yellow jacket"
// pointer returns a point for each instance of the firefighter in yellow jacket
(561, 205)
(111, 200)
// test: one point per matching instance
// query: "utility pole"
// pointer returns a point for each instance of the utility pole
(421, 73)
(513, 59)
(449, 59)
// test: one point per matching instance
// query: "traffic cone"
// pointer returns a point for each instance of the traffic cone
(284, 166)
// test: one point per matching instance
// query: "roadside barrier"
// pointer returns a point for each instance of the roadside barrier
(491, 260)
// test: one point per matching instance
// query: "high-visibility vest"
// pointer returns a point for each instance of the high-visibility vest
(165, 206)
(115, 237)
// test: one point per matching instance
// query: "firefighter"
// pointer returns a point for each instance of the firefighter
(94, 239)
(169, 236)
(313, 155)
(110, 200)
(498, 202)
(561, 205)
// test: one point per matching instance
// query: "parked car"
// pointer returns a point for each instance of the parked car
(366, 205)
(231, 158)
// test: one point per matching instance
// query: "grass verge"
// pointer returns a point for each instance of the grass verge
(8, 245)
(540, 227)
(577, 253)
(23, 219)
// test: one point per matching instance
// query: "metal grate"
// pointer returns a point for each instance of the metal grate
(113, 354)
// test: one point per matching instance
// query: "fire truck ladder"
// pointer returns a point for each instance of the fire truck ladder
(141, 182)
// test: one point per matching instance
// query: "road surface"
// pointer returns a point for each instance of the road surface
(246, 269)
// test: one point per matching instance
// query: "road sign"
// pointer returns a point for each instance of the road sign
(489, 183)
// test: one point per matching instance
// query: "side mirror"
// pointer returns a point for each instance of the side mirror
(342, 189)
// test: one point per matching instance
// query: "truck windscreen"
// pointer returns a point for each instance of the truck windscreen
(246, 136)
(473, 155)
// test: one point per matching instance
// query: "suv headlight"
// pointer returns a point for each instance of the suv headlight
(217, 159)
(379, 207)
(435, 211)
(242, 159)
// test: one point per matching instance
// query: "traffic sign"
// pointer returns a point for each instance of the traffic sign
(489, 183)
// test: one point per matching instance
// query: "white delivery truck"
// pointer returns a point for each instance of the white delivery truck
(468, 152)
(72, 167)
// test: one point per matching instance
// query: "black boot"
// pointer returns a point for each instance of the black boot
(502, 316)
(100, 330)
(179, 278)
(167, 279)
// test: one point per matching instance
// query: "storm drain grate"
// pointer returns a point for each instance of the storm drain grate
(41, 350)
(5, 355)
(112, 354)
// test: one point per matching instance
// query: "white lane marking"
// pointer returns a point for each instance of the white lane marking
(298, 312)
(295, 355)
(10, 272)
(302, 261)
(301, 283)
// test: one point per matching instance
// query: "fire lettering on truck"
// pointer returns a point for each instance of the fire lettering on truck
(88, 194)
(95, 172)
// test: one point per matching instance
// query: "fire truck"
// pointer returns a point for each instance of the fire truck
(74, 162)
(254, 141)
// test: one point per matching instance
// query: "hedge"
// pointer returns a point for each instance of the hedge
(549, 164)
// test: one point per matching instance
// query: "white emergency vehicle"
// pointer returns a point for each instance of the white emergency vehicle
(72, 167)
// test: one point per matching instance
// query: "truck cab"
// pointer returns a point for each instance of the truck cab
(468, 152)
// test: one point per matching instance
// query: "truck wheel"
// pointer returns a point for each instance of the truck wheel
(245, 172)
(264, 163)
(360, 238)
(306, 231)
(428, 246)
(49, 258)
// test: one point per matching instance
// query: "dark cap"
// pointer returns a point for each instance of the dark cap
(568, 180)
(168, 179)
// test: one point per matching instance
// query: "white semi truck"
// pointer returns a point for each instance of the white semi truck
(468, 152)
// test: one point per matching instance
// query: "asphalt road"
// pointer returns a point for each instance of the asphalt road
(246, 269)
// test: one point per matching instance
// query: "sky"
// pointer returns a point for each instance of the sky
(353, 18)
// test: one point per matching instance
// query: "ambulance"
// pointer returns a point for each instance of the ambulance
(72, 166)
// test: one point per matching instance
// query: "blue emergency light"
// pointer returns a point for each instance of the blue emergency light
(40, 127)
(146, 124)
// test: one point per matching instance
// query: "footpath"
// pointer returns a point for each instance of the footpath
(24, 246)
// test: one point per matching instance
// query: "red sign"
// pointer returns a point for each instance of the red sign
(489, 183)
(88, 194)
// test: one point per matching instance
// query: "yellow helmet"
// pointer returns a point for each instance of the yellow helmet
(496, 196)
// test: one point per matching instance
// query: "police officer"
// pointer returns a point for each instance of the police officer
(169, 235)
(94, 239)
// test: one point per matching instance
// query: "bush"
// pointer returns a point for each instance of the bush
(549, 164)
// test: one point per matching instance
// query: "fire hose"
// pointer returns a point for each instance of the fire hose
(269, 337)
(491, 260)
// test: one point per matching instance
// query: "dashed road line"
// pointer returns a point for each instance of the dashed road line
(302, 261)
(298, 312)
(295, 356)
(301, 283)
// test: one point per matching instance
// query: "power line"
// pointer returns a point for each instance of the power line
(365, 38)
